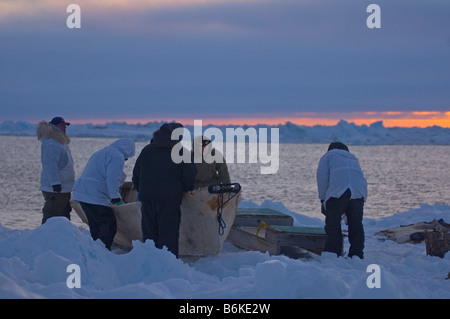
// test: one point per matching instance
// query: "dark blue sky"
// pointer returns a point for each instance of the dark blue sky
(223, 59)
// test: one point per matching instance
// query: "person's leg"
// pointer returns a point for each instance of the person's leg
(355, 227)
(335, 207)
(65, 204)
(149, 221)
(56, 204)
(89, 211)
(102, 222)
(169, 227)
(47, 210)
(108, 225)
(333, 213)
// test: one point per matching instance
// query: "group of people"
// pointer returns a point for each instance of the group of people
(98, 186)
(160, 183)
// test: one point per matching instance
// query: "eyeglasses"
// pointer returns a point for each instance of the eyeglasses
(205, 142)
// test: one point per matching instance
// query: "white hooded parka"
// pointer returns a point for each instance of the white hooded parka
(103, 175)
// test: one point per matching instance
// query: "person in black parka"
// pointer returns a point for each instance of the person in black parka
(160, 183)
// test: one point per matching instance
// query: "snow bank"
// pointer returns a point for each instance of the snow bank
(33, 264)
(349, 133)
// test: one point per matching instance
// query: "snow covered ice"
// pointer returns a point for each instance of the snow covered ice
(348, 133)
(34, 263)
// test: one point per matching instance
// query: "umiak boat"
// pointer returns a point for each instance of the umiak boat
(207, 216)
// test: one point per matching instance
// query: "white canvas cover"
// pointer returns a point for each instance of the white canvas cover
(199, 228)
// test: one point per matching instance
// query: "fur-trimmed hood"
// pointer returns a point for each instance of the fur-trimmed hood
(47, 130)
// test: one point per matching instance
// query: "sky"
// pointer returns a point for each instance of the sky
(226, 61)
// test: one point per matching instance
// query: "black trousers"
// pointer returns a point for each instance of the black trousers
(102, 222)
(353, 208)
(56, 204)
(161, 223)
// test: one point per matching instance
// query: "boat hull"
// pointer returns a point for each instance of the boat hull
(200, 232)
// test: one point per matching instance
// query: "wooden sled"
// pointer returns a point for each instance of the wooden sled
(251, 217)
(201, 234)
(436, 235)
(412, 233)
(267, 230)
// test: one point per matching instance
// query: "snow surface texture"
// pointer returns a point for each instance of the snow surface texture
(33, 264)
(349, 133)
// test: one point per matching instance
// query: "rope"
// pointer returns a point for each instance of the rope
(263, 224)
(220, 205)
(222, 224)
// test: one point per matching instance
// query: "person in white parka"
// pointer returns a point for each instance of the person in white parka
(57, 174)
(342, 190)
(99, 187)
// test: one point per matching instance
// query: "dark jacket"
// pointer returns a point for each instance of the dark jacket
(155, 175)
(211, 173)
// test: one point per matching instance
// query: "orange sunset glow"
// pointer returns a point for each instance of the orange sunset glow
(389, 119)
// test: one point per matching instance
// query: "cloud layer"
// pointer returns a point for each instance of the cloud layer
(213, 58)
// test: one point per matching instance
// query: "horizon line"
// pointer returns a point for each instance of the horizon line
(390, 119)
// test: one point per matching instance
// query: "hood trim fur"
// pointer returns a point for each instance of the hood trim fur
(47, 130)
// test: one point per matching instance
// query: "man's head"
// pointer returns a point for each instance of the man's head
(163, 136)
(338, 145)
(60, 123)
(205, 141)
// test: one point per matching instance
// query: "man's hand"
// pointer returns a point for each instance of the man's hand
(117, 201)
(57, 188)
